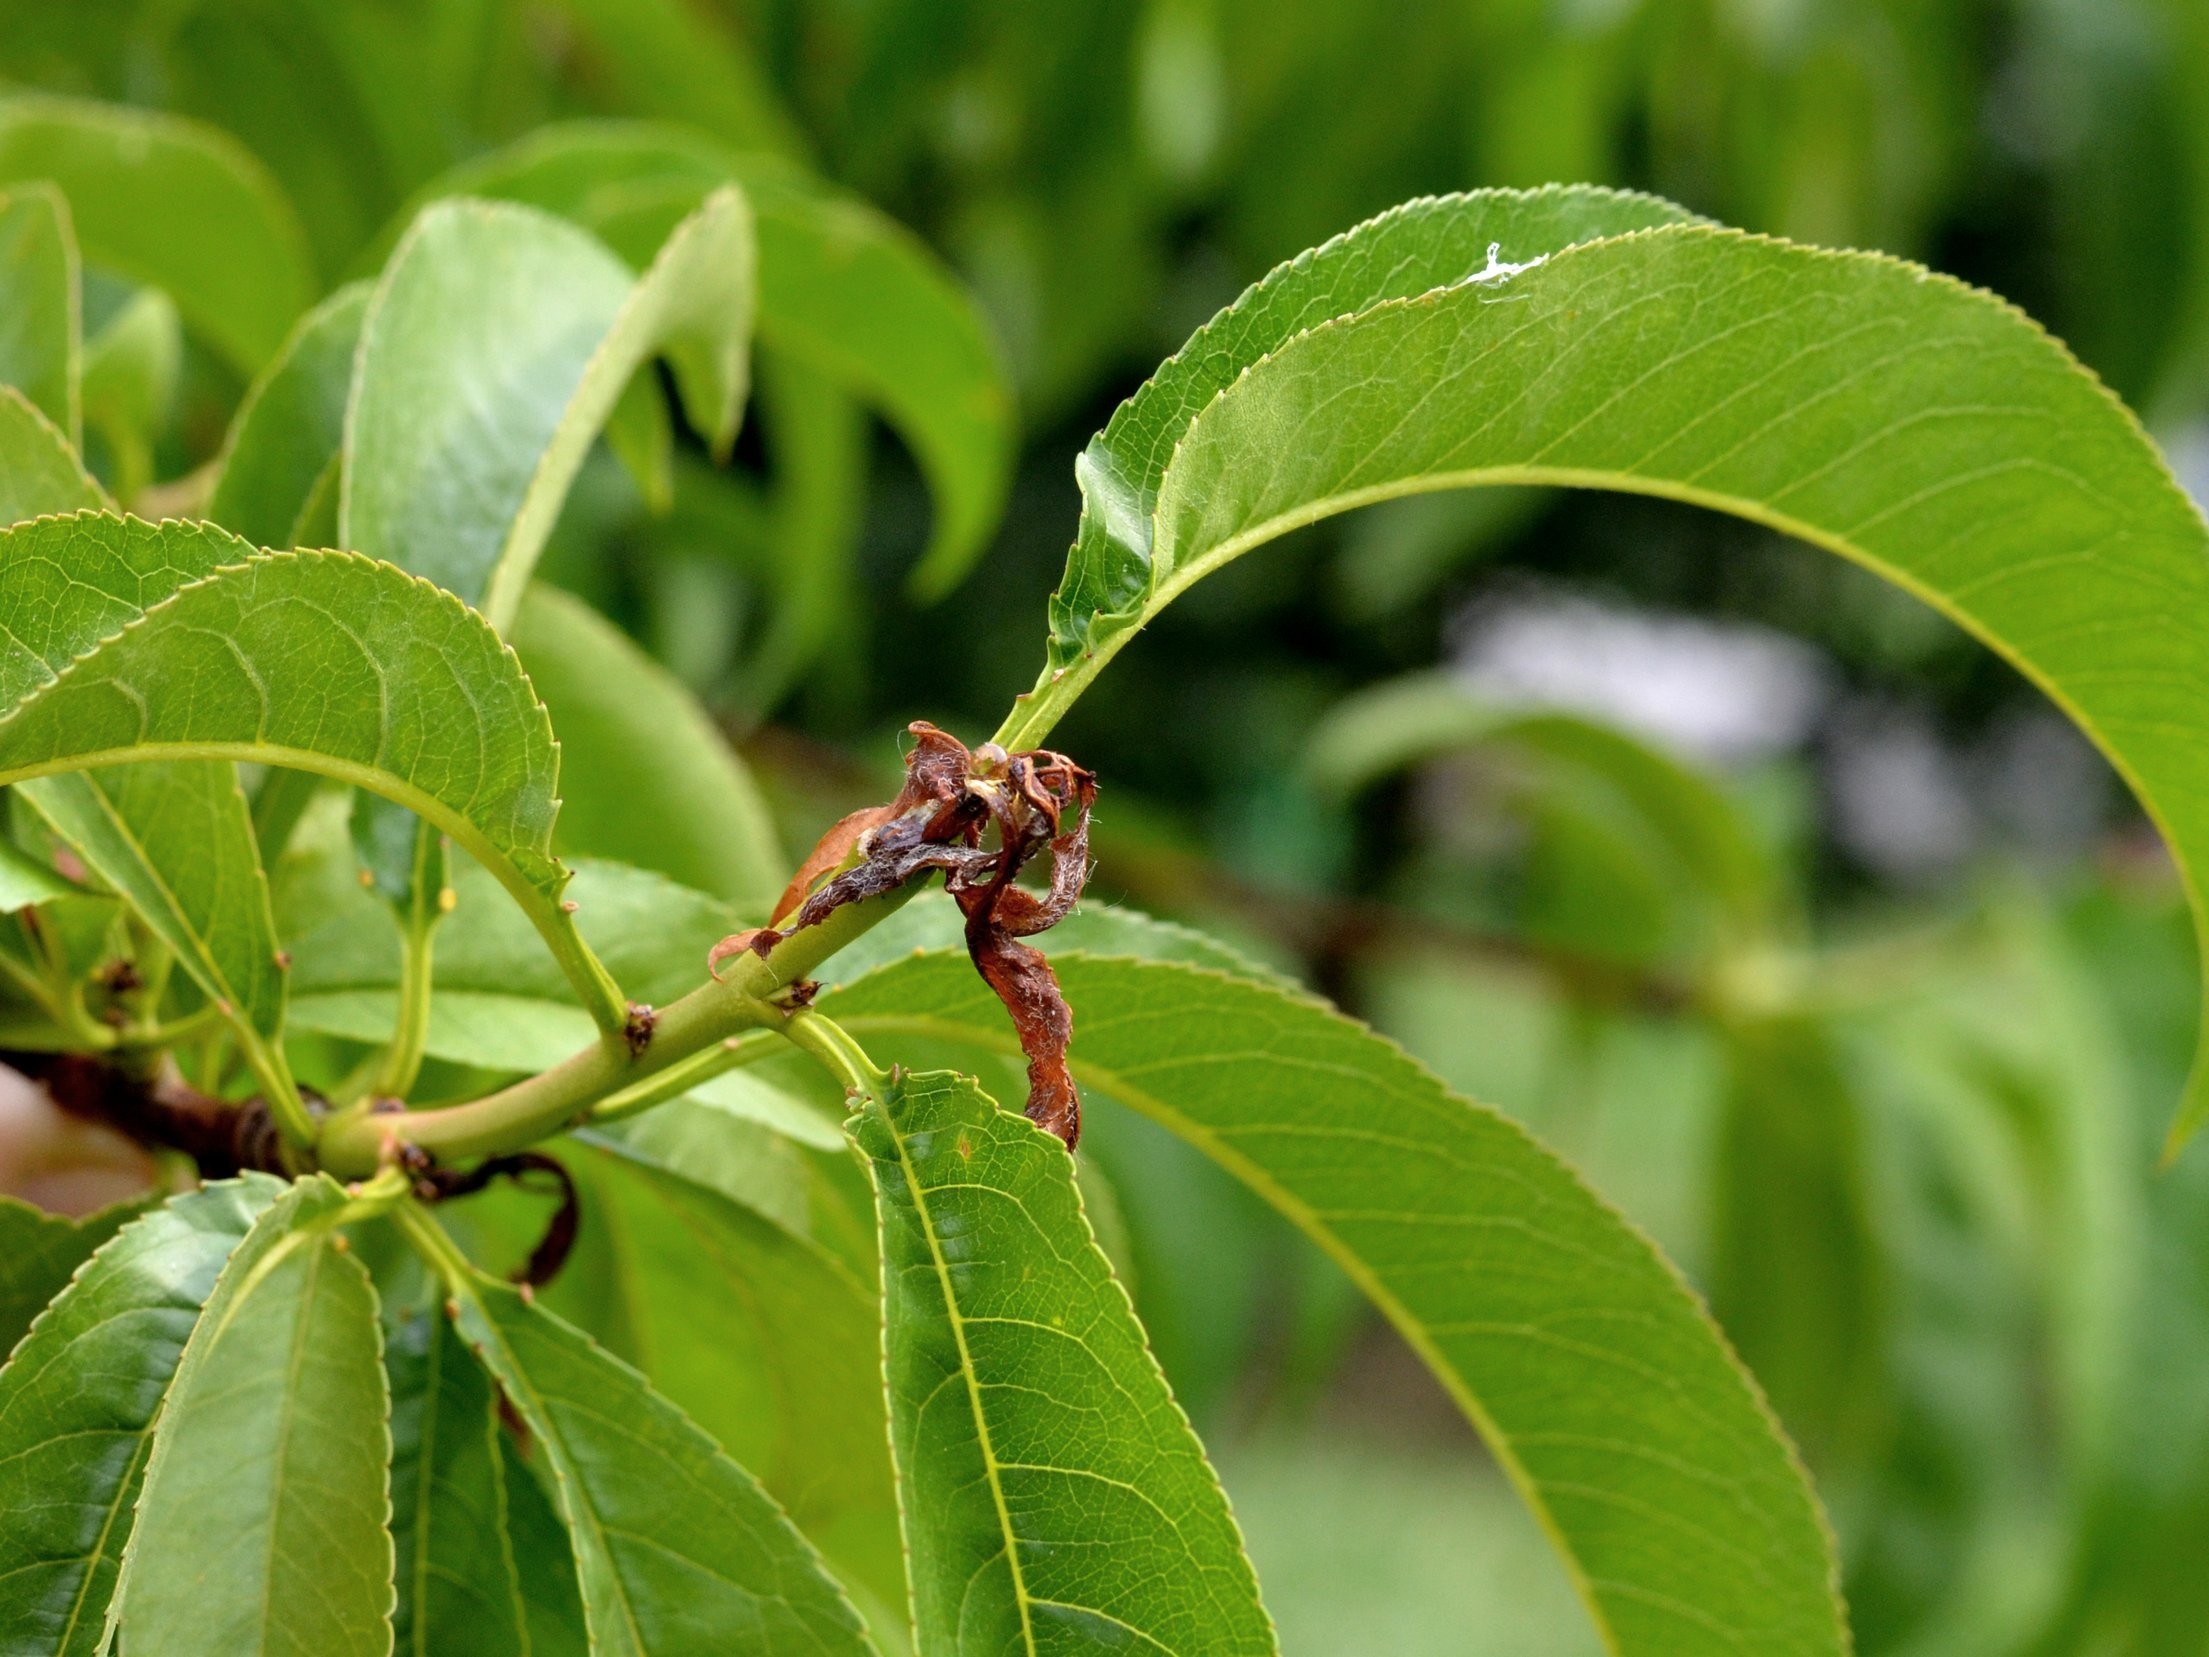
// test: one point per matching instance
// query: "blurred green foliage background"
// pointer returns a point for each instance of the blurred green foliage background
(1799, 923)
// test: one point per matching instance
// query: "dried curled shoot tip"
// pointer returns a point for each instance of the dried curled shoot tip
(940, 820)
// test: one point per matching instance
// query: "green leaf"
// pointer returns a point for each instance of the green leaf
(1796, 1275)
(40, 1252)
(843, 290)
(402, 857)
(175, 840)
(697, 1135)
(495, 348)
(130, 378)
(500, 1003)
(40, 321)
(757, 1334)
(931, 921)
(67, 584)
(498, 1007)
(854, 296)
(323, 661)
(24, 880)
(281, 454)
(495, 1031)
(1113, 574)
(690, 65)
(805, 546)
(1895, 417)
(172, 203)
(78, 933)
(552, 1604)
(676, 1547)
(77, 1403)
(1599, 1383)
(1403, 722)
(1054, 1496)
(261, 1527)
(39, 472)
(458, 1590)
(645, 777)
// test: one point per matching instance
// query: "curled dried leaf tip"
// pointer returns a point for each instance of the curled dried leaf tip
(942, 819)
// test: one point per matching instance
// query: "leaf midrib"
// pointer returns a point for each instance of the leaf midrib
(569, 1483)
(264, 1048)
(425, 1462)
(125, 1489)
(294, 1362)
(967, 1377)
(389, 784)
(1300, 1213)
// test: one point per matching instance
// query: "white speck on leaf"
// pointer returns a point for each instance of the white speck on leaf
(1499, 269)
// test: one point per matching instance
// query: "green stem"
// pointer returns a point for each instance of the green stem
(213, 1052)
(402, 1061)
(679, 1078)
(177, 1031)
(56, 990)
(41, 991)
(839, 1054)
(386, 1190)
(285, 1107)
(594, 986)
(358, 1142)
(39, 1038)
(156, 964)
(435, 1245)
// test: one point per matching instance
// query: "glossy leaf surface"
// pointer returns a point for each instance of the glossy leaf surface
(132, 368)
(458, 1592)
(501, 1002)
(279, 461)
(495, 348)
(24, 880)
(261, 1529)
(321, 660)
(39, 1252)
(630, 733)
(77, 1405)
(1900, 419)
(1054, 1496)
(843, 290)
(677, 1549)
(754, 1331)
(175, 840)
(1113, 577)
(552, 1604)
(39, 472)
(1595, 1376)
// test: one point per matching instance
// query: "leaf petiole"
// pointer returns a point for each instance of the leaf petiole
(678, 1079)
(838, 1052)
(431, 1241)
(56, 1000)
(426, 901)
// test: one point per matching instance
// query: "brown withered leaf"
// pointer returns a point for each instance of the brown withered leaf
(1035, 801)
